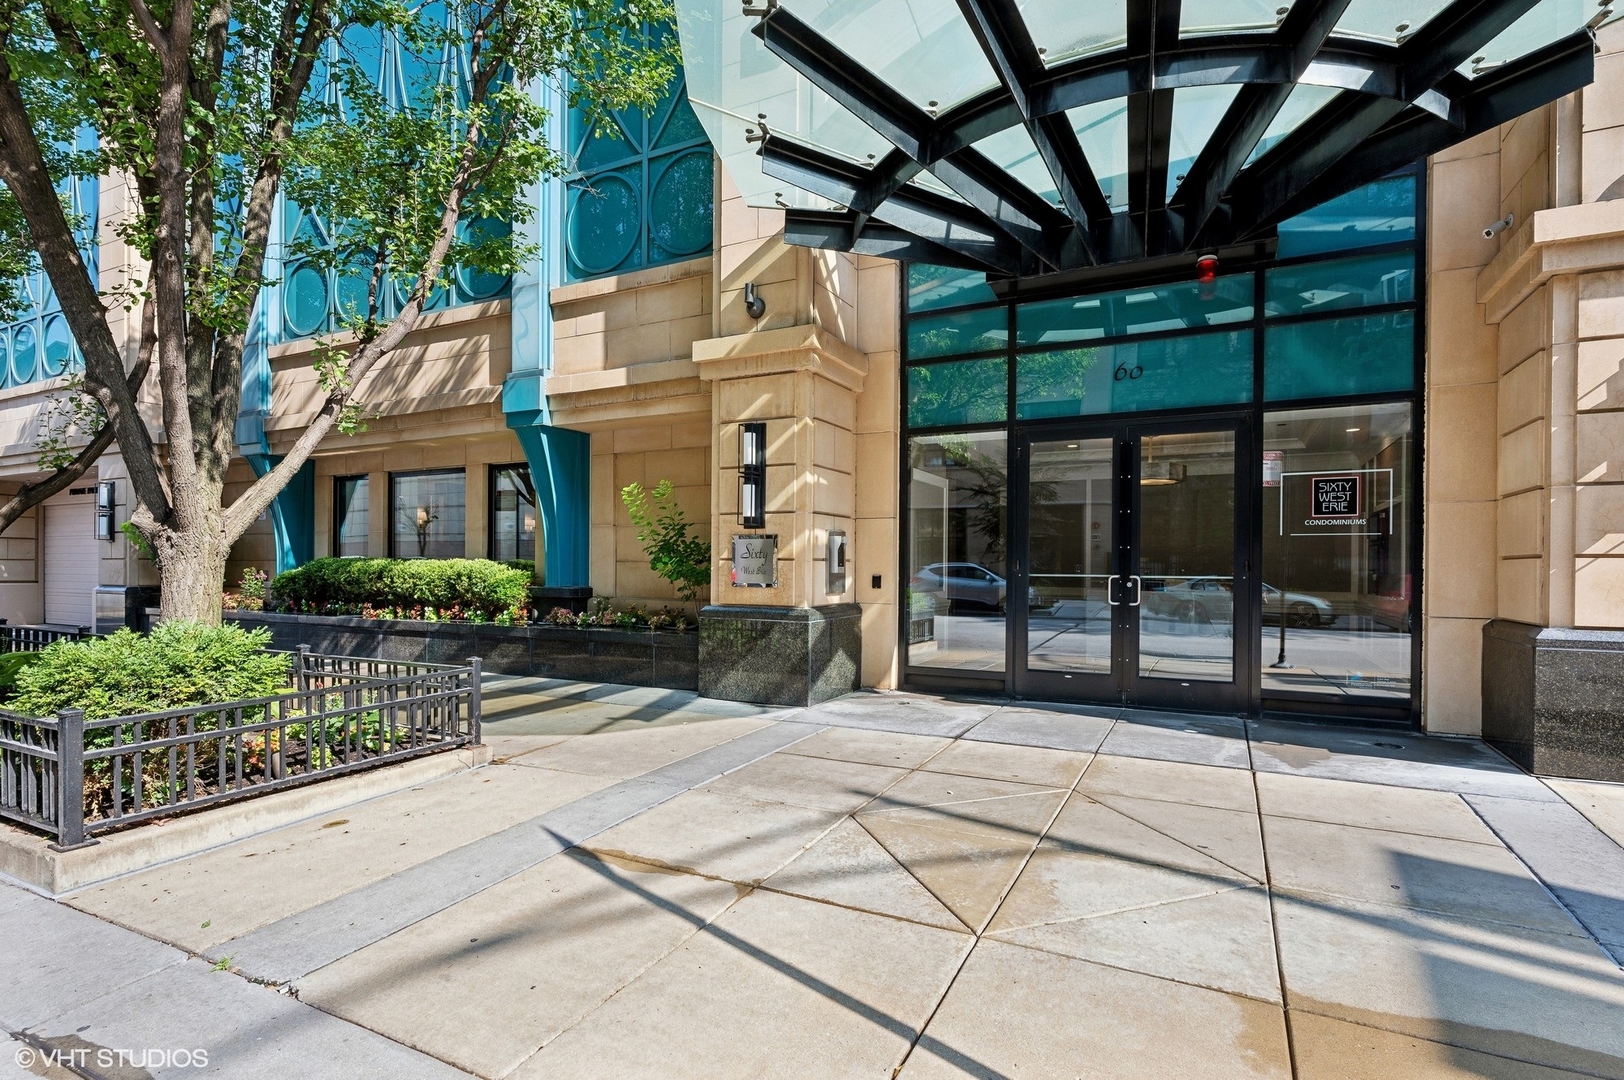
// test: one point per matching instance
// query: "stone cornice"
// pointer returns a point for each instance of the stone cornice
(791, 348)
(1578, 239)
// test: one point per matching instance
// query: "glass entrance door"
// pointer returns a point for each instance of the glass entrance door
(1136, 579)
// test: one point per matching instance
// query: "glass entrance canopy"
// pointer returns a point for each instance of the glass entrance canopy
(1025, 137)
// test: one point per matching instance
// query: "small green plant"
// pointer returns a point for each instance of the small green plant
(133, 535)
(681, 559)
(11, 666)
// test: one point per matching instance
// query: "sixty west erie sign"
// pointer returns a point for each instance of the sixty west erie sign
(755, 561)
(1335, 498)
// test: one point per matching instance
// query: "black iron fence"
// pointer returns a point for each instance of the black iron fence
(35, 638)
(75, 778)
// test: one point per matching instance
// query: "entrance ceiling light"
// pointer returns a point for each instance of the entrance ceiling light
(1160, 473)
(1071, 135)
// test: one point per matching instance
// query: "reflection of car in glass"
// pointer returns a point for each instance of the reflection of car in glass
(966, 583)
(1302, 609)
(1211, 599)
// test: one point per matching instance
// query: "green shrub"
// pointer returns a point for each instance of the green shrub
(179, 663)
(475, 589)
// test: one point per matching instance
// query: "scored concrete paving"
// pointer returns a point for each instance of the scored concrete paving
(894, 884)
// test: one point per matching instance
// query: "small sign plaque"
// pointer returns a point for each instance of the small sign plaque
(755, 561)
(1335, 496)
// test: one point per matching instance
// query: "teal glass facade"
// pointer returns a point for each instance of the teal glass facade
(642, 190)
(1337, 319)
(37, 343)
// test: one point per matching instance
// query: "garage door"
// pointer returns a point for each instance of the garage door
(72, 560)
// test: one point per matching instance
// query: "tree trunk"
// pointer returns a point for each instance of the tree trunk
(191, 575)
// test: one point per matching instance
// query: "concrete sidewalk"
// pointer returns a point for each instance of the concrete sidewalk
(653, 885)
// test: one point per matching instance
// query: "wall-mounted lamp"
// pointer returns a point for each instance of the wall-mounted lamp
(105, 502)
(753, 475)
(754, 305)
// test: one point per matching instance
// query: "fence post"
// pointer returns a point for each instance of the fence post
(474, 707)
(302, 668)
(70, 780)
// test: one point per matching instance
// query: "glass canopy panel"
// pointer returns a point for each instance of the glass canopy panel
(1387, 21)
(923, 48)
(1540, 25)
(1102, 129)
(1196, 113)
(931, 287)
(732, 78)
(1013, 151)
(1304, 101)
(1198, 17)
(1064, 29)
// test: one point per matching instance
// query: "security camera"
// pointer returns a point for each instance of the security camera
(1498, 227)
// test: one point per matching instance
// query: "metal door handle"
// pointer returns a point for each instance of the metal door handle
(1138, 589)
(1110, 591)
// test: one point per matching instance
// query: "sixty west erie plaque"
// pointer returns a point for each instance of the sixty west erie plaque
(755, 561)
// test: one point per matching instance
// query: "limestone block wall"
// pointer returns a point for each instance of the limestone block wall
(623, 371)
(22, 596)
(830, 402)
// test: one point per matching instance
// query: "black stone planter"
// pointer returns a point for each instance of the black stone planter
(662, 658)
(1553, 699)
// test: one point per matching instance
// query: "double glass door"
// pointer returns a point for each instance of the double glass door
(1132, 578)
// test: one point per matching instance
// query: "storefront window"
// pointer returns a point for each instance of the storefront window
(428, 515)
(350, 516)
(513, 514)
(1338, 598)
(958, 538)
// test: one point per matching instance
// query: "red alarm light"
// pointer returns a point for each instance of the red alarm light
(1206, 276)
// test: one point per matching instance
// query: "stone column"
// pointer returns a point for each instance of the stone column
(797, 642)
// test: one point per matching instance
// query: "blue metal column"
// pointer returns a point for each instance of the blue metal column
(560, 459)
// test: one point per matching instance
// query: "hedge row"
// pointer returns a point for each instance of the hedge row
(475, 589)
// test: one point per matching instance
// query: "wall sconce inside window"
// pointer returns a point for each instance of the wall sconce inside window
(753, 475)
(105, 503)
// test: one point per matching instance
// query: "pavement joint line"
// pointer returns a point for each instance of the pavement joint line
(1274, 917)
(1531, 851)
(296, 945)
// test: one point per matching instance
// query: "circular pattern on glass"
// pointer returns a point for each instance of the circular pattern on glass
(681, 205)
(305, 300)
(352, 296)
(478, 284)
(603, 224)
(58, 346)
(24, 355)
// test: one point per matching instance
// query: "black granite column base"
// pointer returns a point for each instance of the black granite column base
(1553, 699)
(779, 655)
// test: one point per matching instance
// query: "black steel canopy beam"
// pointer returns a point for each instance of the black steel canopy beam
(1304, 30)
(1446, 41)
(1006, 204)
(913, 209)
(1504, 94)
(1008, 46)
(836, 231)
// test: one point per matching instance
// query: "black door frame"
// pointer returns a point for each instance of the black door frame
(1124, 685)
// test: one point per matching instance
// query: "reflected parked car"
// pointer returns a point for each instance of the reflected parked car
(1211, 599)
(966, 583)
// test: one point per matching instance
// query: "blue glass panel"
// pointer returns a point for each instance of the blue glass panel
(5, 358)
(1178, 305)
(58, 346)
(931, 287)
(1166, 373)
(477, 284)
(604, 224)
(960, 332)
(681, 125)
(352, 295)
(1340, 283)
(1379, 213)
(305, 297)
(968, 392)
(1365, 354)
(24, 355)
(681, 204)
